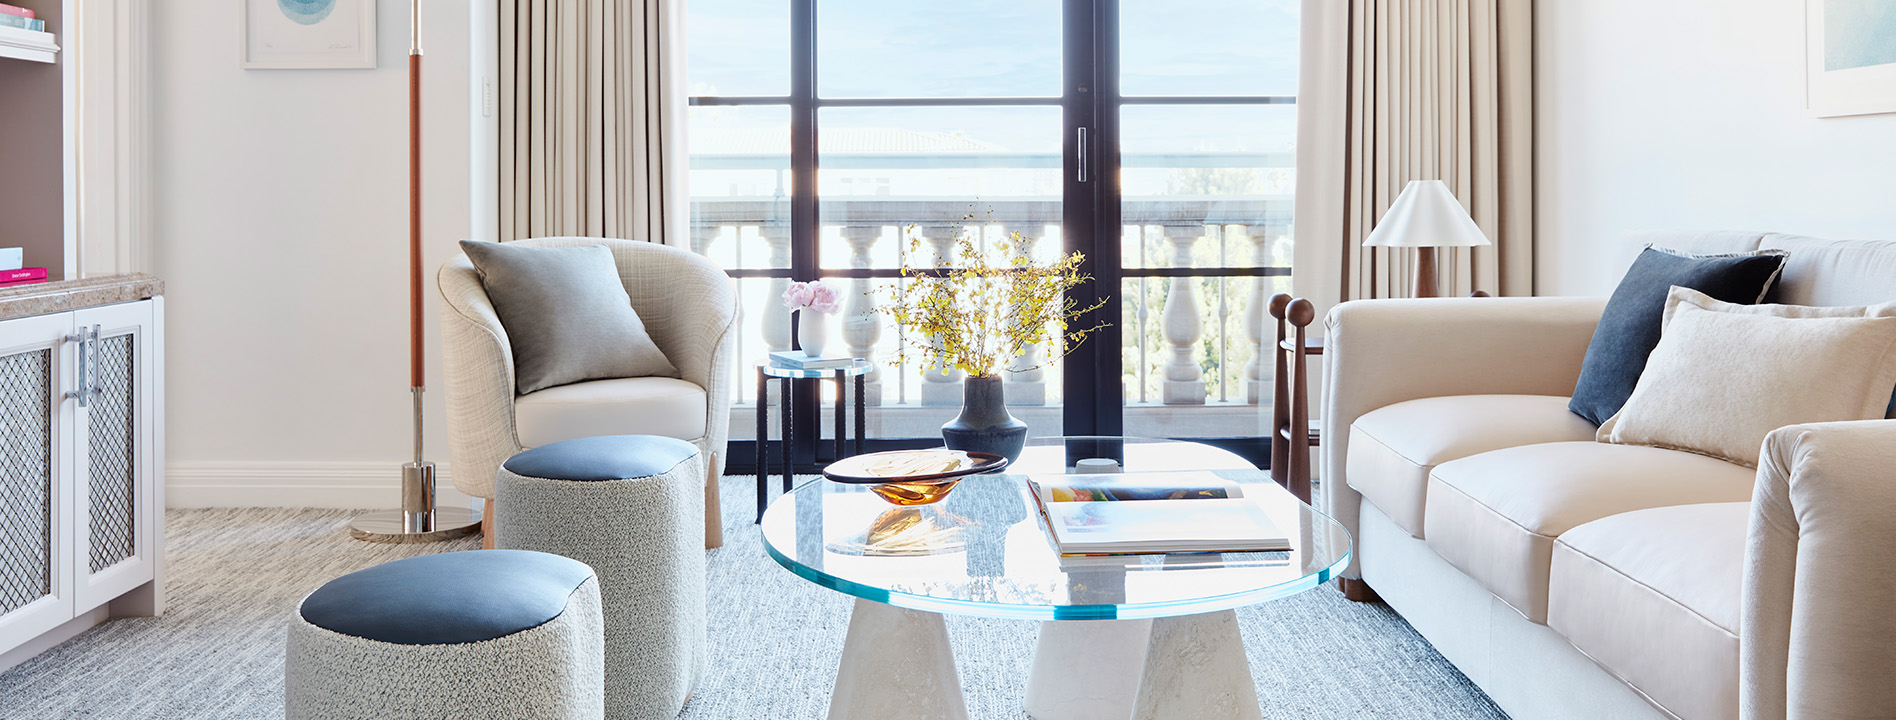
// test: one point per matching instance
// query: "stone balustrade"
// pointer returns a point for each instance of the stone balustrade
(1184, 366)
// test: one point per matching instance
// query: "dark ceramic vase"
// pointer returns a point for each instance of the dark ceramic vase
(984, 424)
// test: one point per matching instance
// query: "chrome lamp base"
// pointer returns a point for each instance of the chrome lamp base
(418, 521)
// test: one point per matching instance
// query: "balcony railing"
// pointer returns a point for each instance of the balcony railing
(1188, 339)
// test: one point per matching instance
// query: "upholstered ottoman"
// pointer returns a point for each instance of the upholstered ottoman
(632, 507)
(477, 634)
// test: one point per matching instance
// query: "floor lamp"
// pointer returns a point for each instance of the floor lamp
(418, 520)
(1426, 216)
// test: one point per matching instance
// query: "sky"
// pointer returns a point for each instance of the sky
(881, 48)
(1006, 48)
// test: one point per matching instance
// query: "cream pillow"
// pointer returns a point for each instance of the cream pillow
(1723, 376)
(1687, 296)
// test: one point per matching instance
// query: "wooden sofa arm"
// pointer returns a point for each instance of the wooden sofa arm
(1817, 630)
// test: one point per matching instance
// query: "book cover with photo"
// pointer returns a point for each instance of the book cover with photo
(1135, 513)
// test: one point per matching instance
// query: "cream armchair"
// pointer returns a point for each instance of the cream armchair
(689, 307)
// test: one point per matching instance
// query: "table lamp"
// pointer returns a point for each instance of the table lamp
(1425, 216)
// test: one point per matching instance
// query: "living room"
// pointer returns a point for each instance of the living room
(1555, 337)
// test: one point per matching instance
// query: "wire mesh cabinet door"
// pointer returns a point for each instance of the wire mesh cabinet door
(117, 508)
(36, 583)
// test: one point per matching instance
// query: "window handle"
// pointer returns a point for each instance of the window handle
(1081, 145)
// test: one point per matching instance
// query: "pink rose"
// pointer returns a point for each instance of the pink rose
(797, 295)
(825, 299)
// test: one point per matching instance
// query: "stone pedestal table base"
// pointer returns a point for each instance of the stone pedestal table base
(897, 663)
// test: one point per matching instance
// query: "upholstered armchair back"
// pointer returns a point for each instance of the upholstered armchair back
(687, 303)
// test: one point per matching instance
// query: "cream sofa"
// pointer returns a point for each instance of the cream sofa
(1575, 579)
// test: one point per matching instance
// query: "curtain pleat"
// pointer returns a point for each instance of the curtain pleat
(1420, 90)
(592, 123)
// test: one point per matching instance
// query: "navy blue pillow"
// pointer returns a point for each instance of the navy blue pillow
(1629, 329)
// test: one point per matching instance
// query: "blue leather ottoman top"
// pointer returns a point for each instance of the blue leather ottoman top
(446, 598)
(607, 457)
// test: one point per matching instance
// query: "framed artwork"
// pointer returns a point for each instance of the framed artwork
(1849, 57)
(308, 34)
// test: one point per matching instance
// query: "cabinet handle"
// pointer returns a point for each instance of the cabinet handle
(92, 364)
(83, 394)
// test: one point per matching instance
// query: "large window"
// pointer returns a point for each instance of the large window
(1154, 136)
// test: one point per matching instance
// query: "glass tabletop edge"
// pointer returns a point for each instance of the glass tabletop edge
(1142, 611)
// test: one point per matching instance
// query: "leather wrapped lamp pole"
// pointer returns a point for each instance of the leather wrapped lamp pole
(418, 520)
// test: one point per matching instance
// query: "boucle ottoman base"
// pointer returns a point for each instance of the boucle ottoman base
(642, 537)
(550, 671)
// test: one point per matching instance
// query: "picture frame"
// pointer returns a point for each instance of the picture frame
(307, 34)
(1849, 57)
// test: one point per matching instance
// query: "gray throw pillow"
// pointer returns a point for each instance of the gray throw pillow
(567, 315)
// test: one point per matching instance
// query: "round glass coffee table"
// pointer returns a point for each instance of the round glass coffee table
(1140, 636)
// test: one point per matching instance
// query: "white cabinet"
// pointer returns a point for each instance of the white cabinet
(81, 443)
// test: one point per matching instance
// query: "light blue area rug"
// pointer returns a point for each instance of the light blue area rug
(775, 639)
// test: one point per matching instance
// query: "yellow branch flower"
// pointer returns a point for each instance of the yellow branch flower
(970, 314)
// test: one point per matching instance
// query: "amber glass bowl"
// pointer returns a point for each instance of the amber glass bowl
(921, 492)
(920, 488)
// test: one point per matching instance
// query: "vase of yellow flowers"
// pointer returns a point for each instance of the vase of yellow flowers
(979, 310)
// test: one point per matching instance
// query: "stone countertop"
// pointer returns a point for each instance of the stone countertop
(63, 295)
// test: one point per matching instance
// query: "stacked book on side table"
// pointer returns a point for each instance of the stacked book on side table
(1162, 512)
(796, 360)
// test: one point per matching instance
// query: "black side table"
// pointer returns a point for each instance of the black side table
(788, 376)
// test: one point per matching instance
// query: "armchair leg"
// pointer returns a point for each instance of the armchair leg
(487, 525)
(713, 513)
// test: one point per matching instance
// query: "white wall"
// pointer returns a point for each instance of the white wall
(280, 201)
(1689, 114)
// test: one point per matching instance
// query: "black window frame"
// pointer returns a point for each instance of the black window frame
(1093, 401)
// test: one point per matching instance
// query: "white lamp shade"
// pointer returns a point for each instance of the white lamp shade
(1426, 214)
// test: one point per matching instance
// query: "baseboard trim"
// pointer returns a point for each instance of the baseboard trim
(338, 485)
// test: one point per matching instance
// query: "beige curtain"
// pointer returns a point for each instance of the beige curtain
(1400, 90)
(592, 119)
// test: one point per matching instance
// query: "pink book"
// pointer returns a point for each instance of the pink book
(7, 276)
(15, 10)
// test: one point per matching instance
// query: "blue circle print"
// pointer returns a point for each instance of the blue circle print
(306, 12)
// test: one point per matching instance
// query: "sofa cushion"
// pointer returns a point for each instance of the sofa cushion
(1653, 596)
(1495, 515)
(1835, 272)
(1629, 328)
(627, 406)
(1393, 449)
(1724, 376)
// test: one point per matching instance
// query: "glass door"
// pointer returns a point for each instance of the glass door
(935, 121)
(842, 139)
(1206, 131)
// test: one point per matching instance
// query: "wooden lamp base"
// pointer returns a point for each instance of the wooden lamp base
(1425, 272)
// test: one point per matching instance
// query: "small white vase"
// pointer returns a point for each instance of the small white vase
(812, 331)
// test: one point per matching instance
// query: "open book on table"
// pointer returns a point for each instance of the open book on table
(1163, 512)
